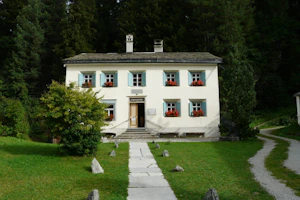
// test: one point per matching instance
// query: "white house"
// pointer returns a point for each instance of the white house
(153, 90)
(297, 95)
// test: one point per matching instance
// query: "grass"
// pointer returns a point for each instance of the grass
(32, 170)
(222, 165)
(292, 131)
(274, 163)
(263, 116)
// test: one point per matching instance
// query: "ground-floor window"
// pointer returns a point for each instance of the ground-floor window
(171, 108)
(110, 109)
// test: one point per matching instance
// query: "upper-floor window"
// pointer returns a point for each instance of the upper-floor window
(109, 79)
(86, 79)
(197, 108)
(171, 78)
(137, 79)
(171, 108)
(196, 78)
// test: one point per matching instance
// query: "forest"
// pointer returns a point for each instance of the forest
(257, 39)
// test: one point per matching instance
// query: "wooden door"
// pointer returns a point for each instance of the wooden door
(134, 115)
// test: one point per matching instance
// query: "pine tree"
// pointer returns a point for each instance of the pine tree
(79, 32)
(23, 70)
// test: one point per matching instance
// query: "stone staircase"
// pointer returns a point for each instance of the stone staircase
(137, 133)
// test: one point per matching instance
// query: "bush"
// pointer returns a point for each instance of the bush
(13, 118)
(75, 115)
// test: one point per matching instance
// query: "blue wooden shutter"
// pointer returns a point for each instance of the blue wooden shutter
(144, 79)
(190, 78)
(102, 79)
(203, 107)
(130, 79)
(116, 79)
(190, 108)
(178, 108)
(164, 108)
(177, 78)
(80, 79)
(94, 80)
(164, 78)
(203, 78)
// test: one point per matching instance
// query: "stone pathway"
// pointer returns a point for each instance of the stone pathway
(146, 181)
(293, 161)
(277, 189)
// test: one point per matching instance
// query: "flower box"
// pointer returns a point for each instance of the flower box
(197, 83)
(108, 84)
(171, 83)
(87, 85)
(172, 113)
(197, 113)
(109, 118)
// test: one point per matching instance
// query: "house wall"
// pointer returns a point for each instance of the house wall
(155, 92)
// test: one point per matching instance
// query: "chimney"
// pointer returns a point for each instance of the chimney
(158, 46)
(129, 43)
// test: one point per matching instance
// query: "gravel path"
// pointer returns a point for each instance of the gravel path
(264, 177)
(293, 161)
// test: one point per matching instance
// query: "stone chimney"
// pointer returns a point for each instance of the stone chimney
(158, 45)
(129, 43)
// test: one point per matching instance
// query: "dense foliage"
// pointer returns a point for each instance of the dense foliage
(13, 118)
(258, 38)
(74, 115)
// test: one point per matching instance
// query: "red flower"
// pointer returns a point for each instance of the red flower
(172, 113)
(87, 84)
(197, 83)
(198, 113)
(171, 83)
(108, 84)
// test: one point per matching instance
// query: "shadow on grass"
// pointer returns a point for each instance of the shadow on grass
(31, 149)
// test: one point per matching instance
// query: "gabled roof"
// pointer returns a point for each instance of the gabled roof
(144, 57)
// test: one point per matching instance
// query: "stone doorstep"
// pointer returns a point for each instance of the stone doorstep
(148, 182)
(162, 193)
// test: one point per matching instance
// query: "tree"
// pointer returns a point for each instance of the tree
(79, 32)
(75, 115)
(23, 69)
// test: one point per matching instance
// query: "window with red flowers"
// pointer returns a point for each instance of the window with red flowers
(171, 108)
(171, 78)
(197, 108)
(196, 78)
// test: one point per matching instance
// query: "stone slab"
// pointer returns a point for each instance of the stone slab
(163, 193)
(145, 165)
(146, 170)
(147, 182)
(138, 145)
(146, 174)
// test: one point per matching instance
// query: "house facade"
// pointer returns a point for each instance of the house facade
(158, 91)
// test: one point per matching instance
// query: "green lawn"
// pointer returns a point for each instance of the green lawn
(263, 116)
(292, 131)
(32, 170)
(221, 165)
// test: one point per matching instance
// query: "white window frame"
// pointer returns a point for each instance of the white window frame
(196, 76)
(88, 78)
(170, 76)
(137, 79)
(196, 106)
(170, 106)
(109, 78)
(110, 110)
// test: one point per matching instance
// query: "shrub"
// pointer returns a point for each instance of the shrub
(13, 118)
(75, 115)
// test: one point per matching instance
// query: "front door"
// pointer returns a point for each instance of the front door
(134, 115)
(137, 115)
